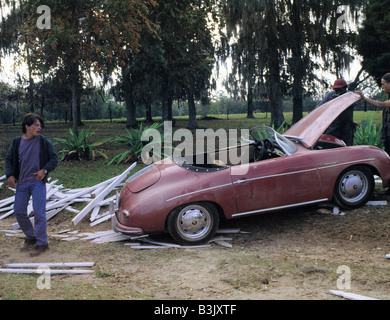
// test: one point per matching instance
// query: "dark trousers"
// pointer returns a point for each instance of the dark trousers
(387, 146)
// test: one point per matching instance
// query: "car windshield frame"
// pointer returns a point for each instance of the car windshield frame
(261, 133)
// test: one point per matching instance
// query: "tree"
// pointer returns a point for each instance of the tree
(84, 36)
(316, 30)
(256, 52)
(269, 35)
(373, 39)
(175, 63)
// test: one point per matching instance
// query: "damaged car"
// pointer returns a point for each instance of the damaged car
(299, 168)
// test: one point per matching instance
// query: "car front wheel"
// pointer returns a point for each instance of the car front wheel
(354, 187)
(193, 224)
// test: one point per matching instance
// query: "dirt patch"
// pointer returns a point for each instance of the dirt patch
(297, 254)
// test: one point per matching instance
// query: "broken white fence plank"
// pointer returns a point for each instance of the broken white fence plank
(76, 194)
(377, 203)
(149, 247)
(51, 264)
(70, 209)
(11, 231)
(223, 243)
(70, 239)
(95, 212)
(101, 220)
(221, 239)
(201, 246)
(7, 214)
(63, 231)
(102, 194)
(228, 231)
(6, 208)
(111, 238)
(98, 234)
(7, 201)
(350, 296)
(165, 244)
(42, 270)
(106, 201)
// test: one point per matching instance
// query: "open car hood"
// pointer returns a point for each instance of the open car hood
(310, 128)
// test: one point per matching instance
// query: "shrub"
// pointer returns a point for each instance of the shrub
(132, 140)
(78, 147)
(368, 134)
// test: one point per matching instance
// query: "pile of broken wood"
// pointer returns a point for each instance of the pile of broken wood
(97, 199)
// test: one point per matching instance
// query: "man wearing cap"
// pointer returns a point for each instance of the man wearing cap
(343, 127)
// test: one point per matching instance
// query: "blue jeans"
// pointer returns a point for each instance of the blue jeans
(37, 190)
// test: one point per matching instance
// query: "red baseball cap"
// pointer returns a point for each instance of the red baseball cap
(339, 83)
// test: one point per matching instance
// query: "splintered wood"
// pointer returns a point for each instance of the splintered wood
(98, 199)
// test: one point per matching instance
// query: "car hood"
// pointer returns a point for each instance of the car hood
(310, 128)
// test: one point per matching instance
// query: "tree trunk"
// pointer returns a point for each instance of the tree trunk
(250, 101)
(131, 120)
(192, 123)
(298, 63)
(275, 90)
(148, 111)
(75, 114)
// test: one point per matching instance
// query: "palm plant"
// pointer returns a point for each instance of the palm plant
(368, 134)
(79, 147)
(134, 142)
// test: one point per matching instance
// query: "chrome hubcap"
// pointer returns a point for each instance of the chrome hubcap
(353, 186)
(193, 222)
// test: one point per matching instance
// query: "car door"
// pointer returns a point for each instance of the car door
(275, 184)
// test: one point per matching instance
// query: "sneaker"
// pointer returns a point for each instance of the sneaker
(28, 244)
(38, 250)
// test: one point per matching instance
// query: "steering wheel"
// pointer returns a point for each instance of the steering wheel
(269, 147)
(260, 151)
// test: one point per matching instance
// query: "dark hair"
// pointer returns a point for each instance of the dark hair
(386, 77)
(29, 119)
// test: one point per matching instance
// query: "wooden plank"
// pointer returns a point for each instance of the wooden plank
(165, 244)
(76, 194)
(101, 195)
(350, 296)
(51, 264)
(50, 271)
(101, 220)
(7, 214)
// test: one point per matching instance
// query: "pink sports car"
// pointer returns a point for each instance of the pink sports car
(301, 167)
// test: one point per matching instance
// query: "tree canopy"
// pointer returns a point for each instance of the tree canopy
(374, 39)
(152, 53)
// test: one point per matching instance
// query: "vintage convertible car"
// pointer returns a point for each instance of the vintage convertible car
(301, 167)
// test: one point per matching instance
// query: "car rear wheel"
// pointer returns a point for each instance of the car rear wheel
(354, 187)
(194, 223)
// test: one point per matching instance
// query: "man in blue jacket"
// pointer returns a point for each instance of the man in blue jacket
(28, 161)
